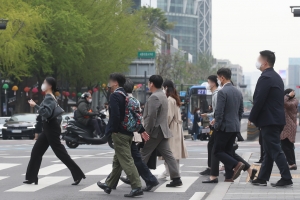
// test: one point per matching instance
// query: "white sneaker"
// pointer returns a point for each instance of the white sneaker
(163, 176)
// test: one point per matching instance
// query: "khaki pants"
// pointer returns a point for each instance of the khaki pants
(123, 161)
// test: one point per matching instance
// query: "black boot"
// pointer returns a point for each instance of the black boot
(135, 192)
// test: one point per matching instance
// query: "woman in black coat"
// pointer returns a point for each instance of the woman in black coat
(49, 137)
(38, 127)
(196, 127)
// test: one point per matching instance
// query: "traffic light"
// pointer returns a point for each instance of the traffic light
(296, 12)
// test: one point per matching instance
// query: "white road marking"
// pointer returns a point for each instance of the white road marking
(105, 170)
(95, 188)
(7, 165)
(73, 158)
(187, 181)
(43, 182)
(3, 177)
(219, 191)
(160, 169)
(197, 196)
(51, 169)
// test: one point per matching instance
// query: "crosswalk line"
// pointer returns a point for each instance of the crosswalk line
(95, 188)
(7, 165)
(51, 169)
(186, 180)
(197, 196)
(43, 182)
(105, 170)
(160, 169)
(3, 177)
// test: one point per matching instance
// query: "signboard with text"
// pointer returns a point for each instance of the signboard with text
(146, 54)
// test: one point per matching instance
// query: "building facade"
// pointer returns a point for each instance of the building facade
(294, 74)
(237, 76)
(192, 20)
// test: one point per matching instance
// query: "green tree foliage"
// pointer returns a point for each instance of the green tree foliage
(19, 39)
(156, 17)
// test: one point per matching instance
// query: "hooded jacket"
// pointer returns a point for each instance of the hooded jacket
(82, 114)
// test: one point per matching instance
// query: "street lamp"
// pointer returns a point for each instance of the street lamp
(295, 11)
(3, 23)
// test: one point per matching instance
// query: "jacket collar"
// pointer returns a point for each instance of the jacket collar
(269, 69)
(158, 90)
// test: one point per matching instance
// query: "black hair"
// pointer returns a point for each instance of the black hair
(51, 81)
(120, 78)
(270, 56)
(287, 91)
(225, 72)
(214, 79)
(171, 91)
(157, 80)
(128, 86)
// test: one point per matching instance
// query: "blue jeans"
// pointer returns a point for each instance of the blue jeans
(197, 133)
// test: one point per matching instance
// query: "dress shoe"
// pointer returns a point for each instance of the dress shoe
(104, 187)
(254, 172)
(282, 183)
(205, 172)
(125, 180)
(78, 181)
(229, 180)
(211, 180)
(237, 170)
(36, 181)
(259, 182)
(258, 162)
(150, 186)
(175, 183)
(134, 193)
(293, 167)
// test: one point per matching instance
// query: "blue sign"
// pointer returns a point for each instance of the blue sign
(182, 93)
(202, 91)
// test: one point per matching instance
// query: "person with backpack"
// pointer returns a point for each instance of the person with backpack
(121, 128)
(142, 168)
(84, 113)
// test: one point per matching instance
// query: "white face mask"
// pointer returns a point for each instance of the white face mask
(198, 111)
(219, 83)
(258, 65)
(44, 87)
(90, 100)
(164, 91)
(208, 87)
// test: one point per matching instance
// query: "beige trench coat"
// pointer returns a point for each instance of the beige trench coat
(176, 142)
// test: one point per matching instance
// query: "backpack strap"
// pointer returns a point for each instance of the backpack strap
(120, 92)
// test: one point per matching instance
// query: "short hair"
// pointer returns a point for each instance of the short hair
(157, 80)
(269, 56)
(225, 72)
(128, 86)
(214, 79)
(120, 78)
(287, 91)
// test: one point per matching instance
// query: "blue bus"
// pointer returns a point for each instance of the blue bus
(197, 97)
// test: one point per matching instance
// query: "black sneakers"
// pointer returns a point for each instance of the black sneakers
(258, 162)
(205, 172)
(259, 182)
(282, 183)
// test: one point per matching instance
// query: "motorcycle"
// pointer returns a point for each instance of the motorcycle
(78, 134)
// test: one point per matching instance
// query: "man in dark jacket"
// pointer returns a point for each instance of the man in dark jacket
(122, 140)
(84, 113)
(268, 114)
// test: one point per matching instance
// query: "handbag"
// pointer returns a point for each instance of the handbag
(57, 111)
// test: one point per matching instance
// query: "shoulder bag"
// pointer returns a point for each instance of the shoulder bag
(57, 110)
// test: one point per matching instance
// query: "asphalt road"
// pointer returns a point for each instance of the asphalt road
(55, 179)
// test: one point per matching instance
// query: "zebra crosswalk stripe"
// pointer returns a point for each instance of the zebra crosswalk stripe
(186, 180)
(3, 177)
(95, 188)
(105, 170)
(7, 165)
(160, 169)
(51, 169)
(198, 196)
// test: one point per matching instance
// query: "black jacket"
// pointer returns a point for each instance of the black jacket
(268, 100)
(116, 113)
(83, 108)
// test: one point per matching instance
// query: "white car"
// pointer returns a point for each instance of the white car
(2, 122)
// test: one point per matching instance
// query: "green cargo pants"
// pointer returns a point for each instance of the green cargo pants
(123, 161)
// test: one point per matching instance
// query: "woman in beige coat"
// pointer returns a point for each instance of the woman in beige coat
(176, 142)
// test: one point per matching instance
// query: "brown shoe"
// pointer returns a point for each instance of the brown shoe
(228, 180)
(237, 170)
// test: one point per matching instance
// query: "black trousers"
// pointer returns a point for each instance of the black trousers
(95, 124)
(142, 168)
(223, 150)
(273, 152)
(289, 151)
(213, 161)
(50, 137)
(261, 146)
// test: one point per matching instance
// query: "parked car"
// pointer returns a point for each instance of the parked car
(2, 122)
(64, 124)
(19, 125)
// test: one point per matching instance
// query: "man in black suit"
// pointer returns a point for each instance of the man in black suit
(268, 114)
(228, 114)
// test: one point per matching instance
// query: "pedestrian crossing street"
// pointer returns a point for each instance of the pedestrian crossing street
(47, 179)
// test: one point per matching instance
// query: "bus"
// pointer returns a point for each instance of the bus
(197, 96)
